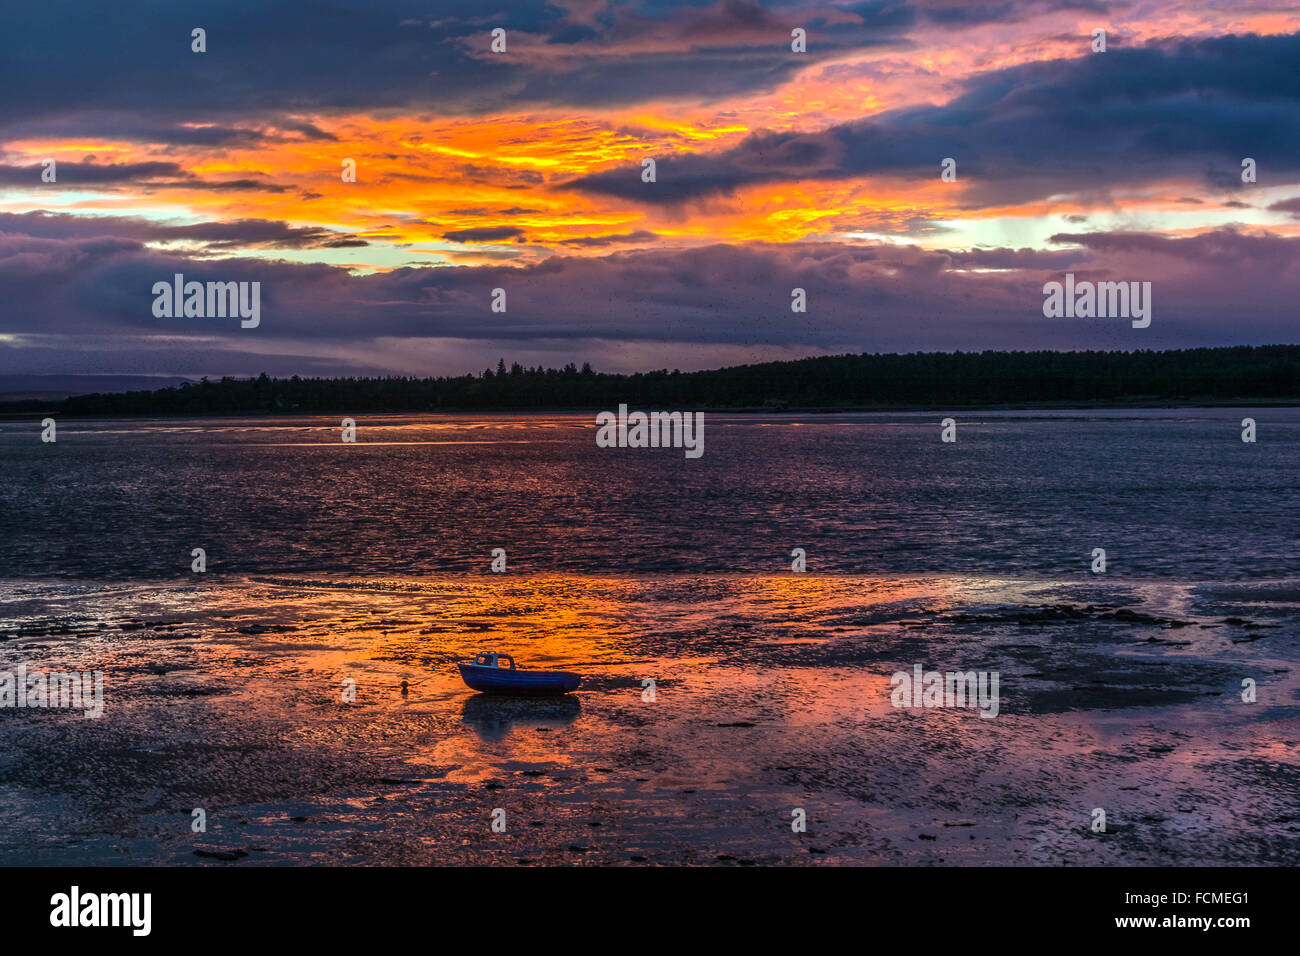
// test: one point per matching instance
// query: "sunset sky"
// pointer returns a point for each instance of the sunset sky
(522, 170)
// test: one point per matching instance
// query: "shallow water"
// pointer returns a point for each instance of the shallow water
(1119, 691)
(1168, 493)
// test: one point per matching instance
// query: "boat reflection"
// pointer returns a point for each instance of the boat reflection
(493, 716)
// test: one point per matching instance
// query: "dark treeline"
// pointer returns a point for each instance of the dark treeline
(841, 381)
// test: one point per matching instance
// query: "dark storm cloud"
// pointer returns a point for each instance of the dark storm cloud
(484, 234)
(90, 65)
(1217, 288)
(137, 175)
(600, 242)
(1056, 259)
(1212, 251)
(972, 12)
(70, 173)
(160, 122)
(225, 235)
(219, 185)
(1040, 129)
(177, 135)
(1291, 206)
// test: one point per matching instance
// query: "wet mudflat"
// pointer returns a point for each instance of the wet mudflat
(772, 692)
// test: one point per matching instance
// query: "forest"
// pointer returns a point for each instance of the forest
(866, 381)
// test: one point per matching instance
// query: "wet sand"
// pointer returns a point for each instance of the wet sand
(773, 693)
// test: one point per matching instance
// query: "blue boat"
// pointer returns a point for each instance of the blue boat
(494, 673)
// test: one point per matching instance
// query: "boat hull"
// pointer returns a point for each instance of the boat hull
(503, 680)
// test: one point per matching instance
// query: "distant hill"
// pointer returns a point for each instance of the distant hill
(917, 380)
(47, 388)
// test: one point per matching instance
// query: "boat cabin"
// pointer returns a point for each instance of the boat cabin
(494, 659)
